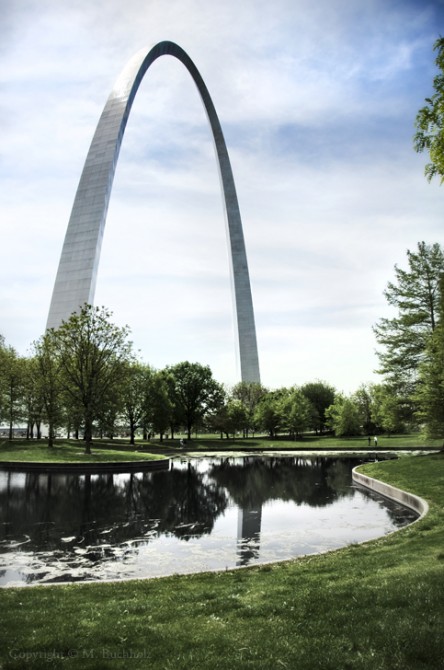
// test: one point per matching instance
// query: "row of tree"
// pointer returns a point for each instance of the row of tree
(83, 378)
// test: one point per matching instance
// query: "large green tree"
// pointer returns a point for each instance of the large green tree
(344, 417)
(363, 399)
(430, 395)
(297, 412)
(92, 353)
(229, 419)
(414, 295)
(3, 354)
(249, 394)
(135, 384)
(391, 412)
(321, 395)
(430, 121)
(269, 415)
(12, 382)
(33, 400)
(50, 384)
(195, 393)
(159, 407)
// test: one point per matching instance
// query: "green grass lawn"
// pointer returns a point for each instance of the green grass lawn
(376, 606)
(25, 451)
(317, 442)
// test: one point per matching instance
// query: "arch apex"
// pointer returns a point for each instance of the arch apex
(77, 272)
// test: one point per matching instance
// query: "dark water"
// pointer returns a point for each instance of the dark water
(201, 514)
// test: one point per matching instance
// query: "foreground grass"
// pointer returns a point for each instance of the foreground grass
(376, 606)
(24, 451)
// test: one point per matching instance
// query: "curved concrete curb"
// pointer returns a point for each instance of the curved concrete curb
(86, 468)
(404, 497)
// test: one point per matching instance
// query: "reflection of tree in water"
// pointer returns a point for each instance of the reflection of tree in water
(255, 481)
(54, 511)
(316, 482)
(74, 522)
(185, 502)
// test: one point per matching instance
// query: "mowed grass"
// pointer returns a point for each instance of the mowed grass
(26, 451)
(377, 606)
(308, 442)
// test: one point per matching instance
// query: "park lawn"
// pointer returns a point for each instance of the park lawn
(372, 606)
(26, 451)
(308, 442)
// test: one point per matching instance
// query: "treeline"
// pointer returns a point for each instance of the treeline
(84, 379)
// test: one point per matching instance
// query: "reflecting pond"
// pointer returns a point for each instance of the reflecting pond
(200, 514)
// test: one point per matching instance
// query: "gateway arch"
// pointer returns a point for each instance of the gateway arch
(77, 273)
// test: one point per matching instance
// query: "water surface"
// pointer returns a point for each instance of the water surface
(201, 514)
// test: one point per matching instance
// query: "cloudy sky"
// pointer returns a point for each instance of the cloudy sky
(317, 100)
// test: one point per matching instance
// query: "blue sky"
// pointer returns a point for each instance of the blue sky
(317, 101)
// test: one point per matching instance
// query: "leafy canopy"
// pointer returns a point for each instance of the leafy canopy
(430, 121)
(415, 296)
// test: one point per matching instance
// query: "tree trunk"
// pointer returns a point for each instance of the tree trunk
(88, 435)
(50, 435)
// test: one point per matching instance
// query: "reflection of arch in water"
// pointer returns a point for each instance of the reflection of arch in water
(249, 522)
(76, 277)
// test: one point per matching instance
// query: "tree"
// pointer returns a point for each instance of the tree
(390, 412)
(230, 418)
(32, 397)
(249, 394)
(343, 417)
(12, 373)
(430, 394)
(195, 393)
(50, 383)
(321, 396)
(3, 359)
(297, 412)
(269, 415)
(415, 296)
(109, 413)
(430, 121)
(91, 353)
(363, 399)
(159, 408)
(135, 382)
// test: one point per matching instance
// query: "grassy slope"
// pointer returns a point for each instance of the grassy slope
(374, 606)
(413, 441)
(65, 452)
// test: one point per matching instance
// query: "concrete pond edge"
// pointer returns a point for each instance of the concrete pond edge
(414, 502)
(104, 467)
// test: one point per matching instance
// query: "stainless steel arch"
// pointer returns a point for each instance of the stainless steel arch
(76, 276)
